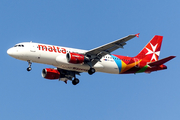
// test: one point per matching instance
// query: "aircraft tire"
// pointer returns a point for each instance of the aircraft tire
(75, 81)
(29, 69)
(91, 71)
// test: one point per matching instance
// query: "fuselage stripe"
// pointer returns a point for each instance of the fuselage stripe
(118, 62)
(142, 69)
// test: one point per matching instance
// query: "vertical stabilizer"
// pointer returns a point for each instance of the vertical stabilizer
(151, 51)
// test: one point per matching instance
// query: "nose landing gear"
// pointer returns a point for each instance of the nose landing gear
(29, 63)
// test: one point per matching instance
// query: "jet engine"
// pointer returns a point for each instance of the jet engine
(50, 73)
(75, 58)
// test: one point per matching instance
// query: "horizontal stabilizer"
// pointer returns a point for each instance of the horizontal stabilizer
(162, 61)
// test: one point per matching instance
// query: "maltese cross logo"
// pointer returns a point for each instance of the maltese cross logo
(155, 54)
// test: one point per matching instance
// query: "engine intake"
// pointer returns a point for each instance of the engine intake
(75, 58)
(50, 73)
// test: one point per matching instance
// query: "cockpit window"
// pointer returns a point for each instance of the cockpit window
(20, 45)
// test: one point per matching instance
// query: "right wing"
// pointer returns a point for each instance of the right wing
(97, 53)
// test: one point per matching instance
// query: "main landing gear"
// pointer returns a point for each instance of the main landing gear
(75, 81)
(91, 71)
(29, 63)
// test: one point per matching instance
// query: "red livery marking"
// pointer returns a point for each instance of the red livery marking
(43, 47)
(52, 49)
(63, 50)
(58, 49)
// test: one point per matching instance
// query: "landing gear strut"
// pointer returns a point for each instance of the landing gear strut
(29, 63)
(75, 81)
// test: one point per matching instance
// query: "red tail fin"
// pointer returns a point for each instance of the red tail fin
(151, 51)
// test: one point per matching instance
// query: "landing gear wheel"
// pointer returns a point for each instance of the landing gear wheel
(29, 63)
(29, 69)
(91, 71)
(75, 81)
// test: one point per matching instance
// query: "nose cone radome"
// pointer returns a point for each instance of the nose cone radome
(10, 52)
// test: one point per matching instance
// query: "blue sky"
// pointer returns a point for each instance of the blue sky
(86, 25)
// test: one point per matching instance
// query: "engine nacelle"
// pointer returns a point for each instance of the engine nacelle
(75, 58)
(50, 73)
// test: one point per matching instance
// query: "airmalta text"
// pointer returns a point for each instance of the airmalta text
(52, 49)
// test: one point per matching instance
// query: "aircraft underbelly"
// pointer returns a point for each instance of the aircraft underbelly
(103, 66)
(79, 67)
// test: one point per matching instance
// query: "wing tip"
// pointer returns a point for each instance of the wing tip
(171, 57)
(137, 35)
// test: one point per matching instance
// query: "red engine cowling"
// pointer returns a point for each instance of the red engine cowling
(75, 58)
(50, 73)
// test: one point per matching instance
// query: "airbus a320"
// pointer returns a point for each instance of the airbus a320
(70, 62)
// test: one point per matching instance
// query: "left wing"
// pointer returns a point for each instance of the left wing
(97, 53)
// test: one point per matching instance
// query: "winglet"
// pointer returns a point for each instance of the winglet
(137, 35)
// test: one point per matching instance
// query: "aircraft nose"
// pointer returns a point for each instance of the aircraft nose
(10, 52)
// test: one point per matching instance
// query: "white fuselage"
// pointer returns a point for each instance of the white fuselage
(56, 56)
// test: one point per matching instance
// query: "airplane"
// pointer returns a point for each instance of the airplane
(69, 62)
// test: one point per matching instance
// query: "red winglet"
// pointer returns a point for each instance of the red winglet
(137, 35)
